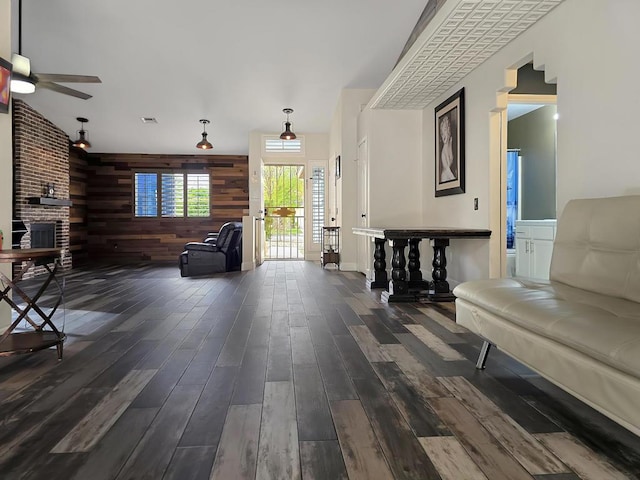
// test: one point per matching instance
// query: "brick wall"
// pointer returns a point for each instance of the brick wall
(40, 156)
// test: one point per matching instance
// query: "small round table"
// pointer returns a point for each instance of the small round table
(12, 342)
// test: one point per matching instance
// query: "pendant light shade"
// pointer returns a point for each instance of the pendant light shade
(82, 141)
(204, 144)
(287, 134)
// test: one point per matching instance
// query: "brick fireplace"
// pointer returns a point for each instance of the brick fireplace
(41, 158)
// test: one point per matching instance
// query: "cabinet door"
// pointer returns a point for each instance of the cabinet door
(523, 260)
(541, 251)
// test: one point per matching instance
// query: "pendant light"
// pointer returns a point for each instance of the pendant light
(82, 142)
(204, 144)
(287, 134)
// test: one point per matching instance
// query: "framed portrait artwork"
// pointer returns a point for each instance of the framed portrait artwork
(449, 141)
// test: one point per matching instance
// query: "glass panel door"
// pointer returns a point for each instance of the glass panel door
(284, 211)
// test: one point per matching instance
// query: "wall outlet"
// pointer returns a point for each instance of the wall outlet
(475, 203)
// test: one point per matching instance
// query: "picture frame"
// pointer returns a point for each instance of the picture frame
(449, 146)
(338, 167)
(5, 85)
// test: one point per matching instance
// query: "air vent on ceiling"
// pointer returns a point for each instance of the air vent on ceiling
(148, 120)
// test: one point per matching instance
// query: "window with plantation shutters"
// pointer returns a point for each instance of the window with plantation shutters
(171, 194)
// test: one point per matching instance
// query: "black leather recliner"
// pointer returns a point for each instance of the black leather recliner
(222, 253)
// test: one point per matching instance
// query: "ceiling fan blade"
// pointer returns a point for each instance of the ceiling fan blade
(60, 77)
(66, 90)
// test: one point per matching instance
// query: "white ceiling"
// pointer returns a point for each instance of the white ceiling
(236, 63)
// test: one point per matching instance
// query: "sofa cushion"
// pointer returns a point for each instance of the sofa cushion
(597, 246)
(605, 328)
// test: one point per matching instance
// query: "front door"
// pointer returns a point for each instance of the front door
(284, 212)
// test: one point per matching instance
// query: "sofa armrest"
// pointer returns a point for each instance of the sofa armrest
(201, 247)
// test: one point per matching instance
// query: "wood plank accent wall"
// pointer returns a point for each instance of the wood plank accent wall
(116, 235)
(78, 221)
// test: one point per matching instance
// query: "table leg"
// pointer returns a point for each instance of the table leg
(398, 286)
(380, 279)
(441, 291)
(415, 275)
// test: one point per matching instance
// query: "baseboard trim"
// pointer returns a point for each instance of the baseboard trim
(248, 266)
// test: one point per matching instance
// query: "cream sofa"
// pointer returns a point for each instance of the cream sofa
(580, 330)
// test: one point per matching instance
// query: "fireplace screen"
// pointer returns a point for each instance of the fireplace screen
(43, 235)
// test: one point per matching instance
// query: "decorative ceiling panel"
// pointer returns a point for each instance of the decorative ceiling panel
(471, 32)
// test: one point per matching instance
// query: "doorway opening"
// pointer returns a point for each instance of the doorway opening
(284, 212)
(529, 174)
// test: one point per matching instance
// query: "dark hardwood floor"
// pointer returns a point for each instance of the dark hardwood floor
(285, 372)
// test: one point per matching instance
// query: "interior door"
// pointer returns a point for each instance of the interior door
(364, 257)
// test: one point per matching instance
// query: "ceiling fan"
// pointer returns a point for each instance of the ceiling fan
(23, 80)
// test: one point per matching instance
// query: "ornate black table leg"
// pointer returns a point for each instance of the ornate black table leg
(440, 286)
(379, 279)
(415, 275)
(398, 286)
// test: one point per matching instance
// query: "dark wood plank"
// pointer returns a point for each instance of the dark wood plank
(379, 330)
(312, 408)
(349, 317)
(334, 320)
(390, 320)
(404, 453)
(160, 386)
(251, 377)
(322, 460)
(416, 411)
(337, 382)
(110, 454)
(354, 360)
(205, 425)
(190, 463)
(152, 455)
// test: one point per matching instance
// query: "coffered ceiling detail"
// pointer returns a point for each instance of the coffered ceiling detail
(460, 37)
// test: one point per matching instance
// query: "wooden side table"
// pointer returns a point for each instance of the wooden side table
(11, 342)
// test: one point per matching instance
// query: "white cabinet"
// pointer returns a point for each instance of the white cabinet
(534, 246)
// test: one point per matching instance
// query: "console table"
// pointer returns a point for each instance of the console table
(403, 289)
(12, 342)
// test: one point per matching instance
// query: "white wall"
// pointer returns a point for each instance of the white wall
(6, 155)
(591, 48)
(395, 166)
(344, 142)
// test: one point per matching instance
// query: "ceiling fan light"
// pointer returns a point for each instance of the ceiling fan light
(204, 144)
(22, 84)
(287, 134)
